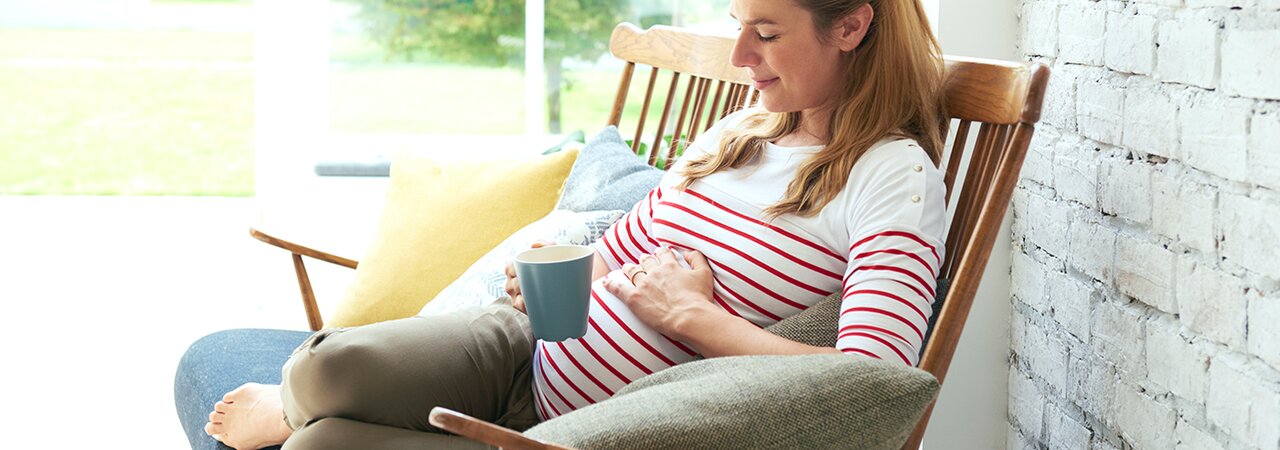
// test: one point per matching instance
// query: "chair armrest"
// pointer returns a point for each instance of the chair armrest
(302, 249)
(488, 433)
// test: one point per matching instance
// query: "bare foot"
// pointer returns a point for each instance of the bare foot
(249, 418)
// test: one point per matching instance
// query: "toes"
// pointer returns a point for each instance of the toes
(230, 397)
(214, 430)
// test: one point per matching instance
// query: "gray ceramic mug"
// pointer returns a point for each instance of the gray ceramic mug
(556, 284)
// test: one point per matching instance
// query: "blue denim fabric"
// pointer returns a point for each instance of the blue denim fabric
(222, 361)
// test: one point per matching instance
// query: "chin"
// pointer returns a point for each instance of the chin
(773, 105)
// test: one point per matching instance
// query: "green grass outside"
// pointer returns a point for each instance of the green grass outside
(108, 118)
(125, 45)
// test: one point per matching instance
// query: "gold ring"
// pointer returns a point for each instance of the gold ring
(633, 275)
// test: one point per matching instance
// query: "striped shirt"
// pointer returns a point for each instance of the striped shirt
(879, 242)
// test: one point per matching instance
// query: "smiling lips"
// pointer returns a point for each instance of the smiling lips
(761, 84)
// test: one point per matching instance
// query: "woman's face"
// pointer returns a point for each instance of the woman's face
(792, 68)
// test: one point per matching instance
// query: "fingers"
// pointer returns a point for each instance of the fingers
(666, 255)
(648, 262)
(620, 289)
(517, 302)
(632, 272)
(512, 287)
(696, 260)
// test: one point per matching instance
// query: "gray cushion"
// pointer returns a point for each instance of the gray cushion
(809, 401)
(377, 166)
(816, 325)
(607, 176)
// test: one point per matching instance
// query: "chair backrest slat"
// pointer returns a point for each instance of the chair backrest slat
(666, 115)
(954, 161)
(699, 106)
(712, 117)
(1002, 98)
(620, 100)
(644, 110)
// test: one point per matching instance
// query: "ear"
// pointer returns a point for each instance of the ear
(852, 28)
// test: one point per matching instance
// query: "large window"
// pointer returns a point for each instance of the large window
(464, 67)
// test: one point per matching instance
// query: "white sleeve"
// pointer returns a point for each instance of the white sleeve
(896, 214)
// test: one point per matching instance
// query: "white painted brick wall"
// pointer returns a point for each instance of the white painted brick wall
(1214, 135)
(1242, 405)
(1075, 171)
(1188, 52)
(1040, 28)
(1126, 190)
(1072, 303)
(1100, 108)
(1249, 63)
(1183, 209)
(1144, 422)
(1063, 432)
(1173, 363)
(1146, 273)
(1187, 437)
(1083, 29)
(1250, 231)
(1218, 3)
(1038, 165)
(1131, 42)
(1264, 150)
(1092, 248)
(1094, 384)
(1211, 302)
(1150, 119)
(1026, 405)
(1264, 335)
(1045, 356)
(1040, 221)
(1118, 333)
(1028, 278)
(1060, 99)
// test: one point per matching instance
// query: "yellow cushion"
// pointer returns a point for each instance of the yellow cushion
(440, 217)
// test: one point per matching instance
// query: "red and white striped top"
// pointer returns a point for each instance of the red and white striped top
(879, 241)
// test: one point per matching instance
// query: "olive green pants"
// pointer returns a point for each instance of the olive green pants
(373, 387)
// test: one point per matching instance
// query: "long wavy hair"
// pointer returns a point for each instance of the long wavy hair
(892, 87)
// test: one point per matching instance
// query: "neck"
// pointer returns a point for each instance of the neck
(812, 129)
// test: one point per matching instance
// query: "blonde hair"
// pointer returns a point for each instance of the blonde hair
(892, 86)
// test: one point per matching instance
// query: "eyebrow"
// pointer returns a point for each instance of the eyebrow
(753, 22)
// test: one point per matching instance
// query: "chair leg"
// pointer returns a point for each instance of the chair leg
(308, 295)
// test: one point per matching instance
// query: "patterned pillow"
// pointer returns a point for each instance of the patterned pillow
(484, 281)
(607, 175)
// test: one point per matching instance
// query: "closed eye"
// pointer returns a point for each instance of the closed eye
(764, 38)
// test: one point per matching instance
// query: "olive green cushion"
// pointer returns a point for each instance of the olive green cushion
(744, 402)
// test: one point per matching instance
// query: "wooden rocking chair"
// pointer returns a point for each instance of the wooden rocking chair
(1002, 99)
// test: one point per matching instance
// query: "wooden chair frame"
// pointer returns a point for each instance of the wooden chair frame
(1002, 98)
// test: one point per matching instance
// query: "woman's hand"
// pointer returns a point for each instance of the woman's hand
(513, 283)
(662, 293)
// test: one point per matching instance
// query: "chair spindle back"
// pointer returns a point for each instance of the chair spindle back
(1002, 99)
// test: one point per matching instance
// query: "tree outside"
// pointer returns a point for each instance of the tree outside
(491, 32)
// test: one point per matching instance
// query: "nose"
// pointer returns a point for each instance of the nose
(744, 53)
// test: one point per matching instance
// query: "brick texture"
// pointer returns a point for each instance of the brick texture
(1146, 265)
